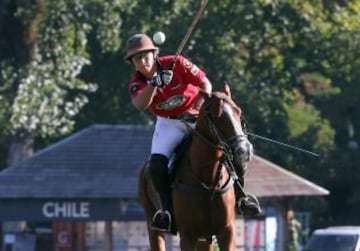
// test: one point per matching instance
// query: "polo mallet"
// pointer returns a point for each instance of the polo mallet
(189, 32)
(283, 144)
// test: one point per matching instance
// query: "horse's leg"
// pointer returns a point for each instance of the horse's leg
(205, 245)
(187, 243)
(226, 238)
(156, 238)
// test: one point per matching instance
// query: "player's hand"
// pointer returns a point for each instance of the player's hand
(156, 81)
(193, 112)
(166, 76)
(162, 79)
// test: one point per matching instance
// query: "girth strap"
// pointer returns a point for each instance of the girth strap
(177, 185)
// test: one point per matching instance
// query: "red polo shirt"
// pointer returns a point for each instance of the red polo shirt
(179, 95)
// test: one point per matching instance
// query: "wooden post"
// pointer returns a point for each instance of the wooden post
(1, 236)
(108, 236)
(79, 236)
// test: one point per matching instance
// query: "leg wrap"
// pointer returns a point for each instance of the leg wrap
(240, 173)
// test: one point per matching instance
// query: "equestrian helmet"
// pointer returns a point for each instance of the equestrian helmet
(139, 43)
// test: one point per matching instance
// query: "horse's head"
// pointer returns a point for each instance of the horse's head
(222, 117)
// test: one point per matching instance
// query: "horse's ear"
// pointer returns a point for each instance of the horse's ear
(226, 89)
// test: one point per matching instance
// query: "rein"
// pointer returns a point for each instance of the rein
(224, 160)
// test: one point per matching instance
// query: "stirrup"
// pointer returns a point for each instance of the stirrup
(248, 206)
(161, 221)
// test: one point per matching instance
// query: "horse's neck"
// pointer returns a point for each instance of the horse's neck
(204, 154)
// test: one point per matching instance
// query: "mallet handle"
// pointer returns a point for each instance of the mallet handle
(189, 31)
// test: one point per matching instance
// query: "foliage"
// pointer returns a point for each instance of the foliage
(47, 92)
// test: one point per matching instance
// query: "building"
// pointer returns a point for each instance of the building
(81, 193)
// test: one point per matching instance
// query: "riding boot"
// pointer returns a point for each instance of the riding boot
(245, 205)
(158, 168)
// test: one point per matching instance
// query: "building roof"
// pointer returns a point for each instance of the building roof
(267, 179)
(103, 161)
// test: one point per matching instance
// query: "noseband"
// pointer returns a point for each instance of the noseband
(222, 142)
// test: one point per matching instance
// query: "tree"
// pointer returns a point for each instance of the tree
(41, 89)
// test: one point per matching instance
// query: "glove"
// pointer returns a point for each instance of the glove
(156, 81)
(166, 76)
(162, 79)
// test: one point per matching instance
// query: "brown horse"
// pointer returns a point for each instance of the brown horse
(203, 193)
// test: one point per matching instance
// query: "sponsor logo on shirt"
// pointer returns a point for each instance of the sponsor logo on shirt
(187, 63)
(193, 68)
(134, 87)
(171, 103)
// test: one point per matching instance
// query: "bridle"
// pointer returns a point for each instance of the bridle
(222, 142)
(226, 160)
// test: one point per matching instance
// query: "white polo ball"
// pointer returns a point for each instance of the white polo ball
(159, 37)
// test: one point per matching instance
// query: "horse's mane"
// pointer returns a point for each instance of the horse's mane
(222, 96)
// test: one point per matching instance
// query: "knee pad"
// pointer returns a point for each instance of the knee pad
(158, 163)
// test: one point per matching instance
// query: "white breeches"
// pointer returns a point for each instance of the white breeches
(168, 134)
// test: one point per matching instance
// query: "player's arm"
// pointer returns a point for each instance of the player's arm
(206, 86)
(144, 98)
